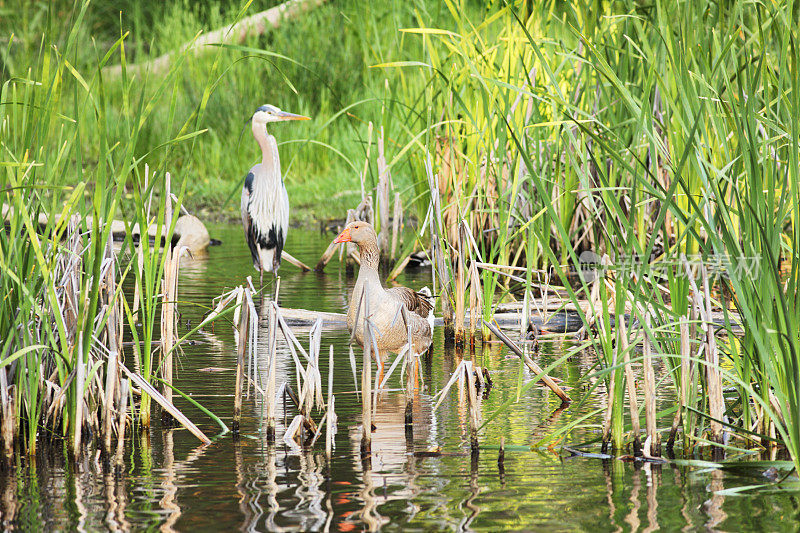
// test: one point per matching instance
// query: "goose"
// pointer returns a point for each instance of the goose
(383, 304)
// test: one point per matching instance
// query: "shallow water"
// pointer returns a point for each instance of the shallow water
(171, 482)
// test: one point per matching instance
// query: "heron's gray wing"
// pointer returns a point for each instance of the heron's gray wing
(414, 301)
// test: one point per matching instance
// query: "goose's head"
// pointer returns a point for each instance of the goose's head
(358, 232)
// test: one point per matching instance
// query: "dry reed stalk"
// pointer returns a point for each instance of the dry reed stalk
(351, 216)
(252, 337)
(436, 248)
(702, 307)
(532, 366)
(308, 423)
(316, 343)
(330, 414)
(123, 410)
(269, 397)
(685, 374)
(630, 382)
(410, 371)
(608, 415)
(472, 401)
(114, 345)
(397, 223)
(244, 322)
(151, 391)
(460, 293)
(168, 301)
(716, 401)
(475, 301)
(308, 389)
(7, 423)
(383, 198)
(293, 432)
(80, 378)
(363, 174)
(366, 385)
(650, 393)
(526, 314)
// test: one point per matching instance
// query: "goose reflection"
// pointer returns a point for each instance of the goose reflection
(389, 472)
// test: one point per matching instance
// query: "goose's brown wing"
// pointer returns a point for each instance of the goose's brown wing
(414, 301)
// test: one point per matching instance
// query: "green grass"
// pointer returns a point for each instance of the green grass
(218, 91)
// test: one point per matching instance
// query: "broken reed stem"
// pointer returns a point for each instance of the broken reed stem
(532, 366)
(331, 415)
(123, 410)
(650, 393)
(244, 322)
(631, 386)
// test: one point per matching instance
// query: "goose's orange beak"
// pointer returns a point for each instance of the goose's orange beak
(343, 236)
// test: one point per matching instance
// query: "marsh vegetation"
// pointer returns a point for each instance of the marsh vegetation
(633, 167)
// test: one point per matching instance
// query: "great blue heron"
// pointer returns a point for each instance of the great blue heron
(265, 203)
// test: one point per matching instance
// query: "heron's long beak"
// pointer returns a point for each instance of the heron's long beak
(284, 115)
(343, 236)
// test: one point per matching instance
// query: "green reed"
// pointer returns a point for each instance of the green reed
(54, 317)
(651, 133)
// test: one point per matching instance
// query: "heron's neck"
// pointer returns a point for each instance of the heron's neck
(260, 133)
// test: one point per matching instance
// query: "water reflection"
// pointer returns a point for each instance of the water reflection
(8, 499)
(168, 485)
